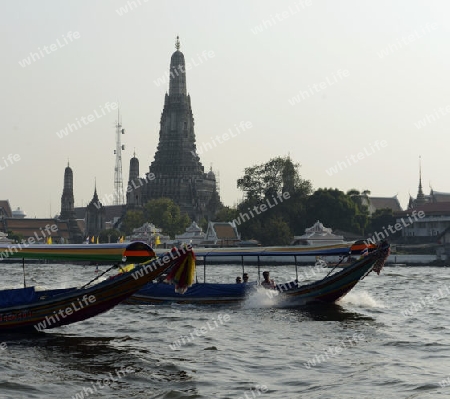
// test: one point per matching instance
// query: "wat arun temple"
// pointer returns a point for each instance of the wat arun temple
(176, 171)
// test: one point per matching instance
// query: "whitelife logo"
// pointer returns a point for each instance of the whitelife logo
(353, 159)
(47, 50)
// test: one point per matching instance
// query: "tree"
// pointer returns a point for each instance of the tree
(353, 192)
(275, 231)
(17, 237)
(166, 214)
(264, 184)
(363, 211)
(132, 220)
(380, 220)
(272, 178)
(336, 210)
(226, 214)
(109, 235)
(203, 224)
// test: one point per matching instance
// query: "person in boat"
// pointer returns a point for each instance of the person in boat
(238, 280)
(245, 278)
(267, 282)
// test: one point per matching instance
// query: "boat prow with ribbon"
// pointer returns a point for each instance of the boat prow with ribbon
(334, 286)
(27, 309)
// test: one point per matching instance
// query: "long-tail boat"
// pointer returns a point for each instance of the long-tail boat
(26, 309)
(329, 289)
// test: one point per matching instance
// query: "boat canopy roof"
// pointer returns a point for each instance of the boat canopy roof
(130, 252)
(326, 250)
(275, 251)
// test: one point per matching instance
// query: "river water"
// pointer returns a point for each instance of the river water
(388, 338)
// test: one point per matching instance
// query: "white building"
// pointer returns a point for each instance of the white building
(427, 220)
(150, 234)
(318, 235)
(193, 235)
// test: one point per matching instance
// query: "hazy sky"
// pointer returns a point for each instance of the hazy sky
(319, 80)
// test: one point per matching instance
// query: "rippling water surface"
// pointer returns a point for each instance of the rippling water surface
(389, 338)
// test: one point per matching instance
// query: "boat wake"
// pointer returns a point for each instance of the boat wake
(361, 299)
(261, 298)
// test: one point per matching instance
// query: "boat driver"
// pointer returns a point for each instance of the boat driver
(267, 282)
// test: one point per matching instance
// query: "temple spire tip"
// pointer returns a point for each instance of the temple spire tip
(177, 43)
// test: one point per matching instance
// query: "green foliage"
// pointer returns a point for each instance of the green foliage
(362, 216)
(203, 223)
(380, 220)
(336, 210)
(272, 178)
(132, 220)
(353, 192)
(163, 213)
(264, 184)
(226, 214)
(16, 237)
(274, 231)
(109, 235)
(166, 214)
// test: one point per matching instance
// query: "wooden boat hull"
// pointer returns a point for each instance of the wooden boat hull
(61, 307)
(200, 293)
(329, 289)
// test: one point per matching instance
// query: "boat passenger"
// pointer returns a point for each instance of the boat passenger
(267, 282)
(245, 278)
(238, 280)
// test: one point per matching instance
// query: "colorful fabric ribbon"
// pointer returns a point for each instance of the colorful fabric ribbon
(182, 274)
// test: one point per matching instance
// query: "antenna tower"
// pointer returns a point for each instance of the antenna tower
(118, 180)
